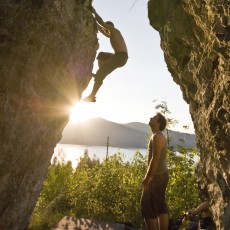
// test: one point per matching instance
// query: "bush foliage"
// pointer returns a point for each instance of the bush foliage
(110, 190)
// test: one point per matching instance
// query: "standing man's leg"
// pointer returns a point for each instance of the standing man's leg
(148, 208)
(163, 221)
(151, 224)
(163, 209)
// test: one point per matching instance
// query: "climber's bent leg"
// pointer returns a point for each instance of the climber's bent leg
(92, 96)
(117, 60)
(96, 87)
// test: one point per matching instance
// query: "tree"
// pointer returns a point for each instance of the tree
(163, 107)
(182, 191)
(53, 202)
(110, 190)
(114, 187)
(86, 161)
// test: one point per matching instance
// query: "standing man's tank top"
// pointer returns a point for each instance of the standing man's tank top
(162, 164)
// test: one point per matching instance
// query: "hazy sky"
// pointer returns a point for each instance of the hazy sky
(127, 94)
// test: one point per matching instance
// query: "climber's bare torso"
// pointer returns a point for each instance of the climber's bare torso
(116, 39)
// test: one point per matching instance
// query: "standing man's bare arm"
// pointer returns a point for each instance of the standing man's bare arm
(157, 145)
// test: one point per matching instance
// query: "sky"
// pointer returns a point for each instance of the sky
(127, 94)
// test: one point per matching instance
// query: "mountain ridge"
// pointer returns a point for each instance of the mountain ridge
(130, 135)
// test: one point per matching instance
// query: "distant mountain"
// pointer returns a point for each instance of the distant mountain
(141, 127)
(94, 132)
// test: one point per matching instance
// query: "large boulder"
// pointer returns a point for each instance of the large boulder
(195, 38)
(47, 50)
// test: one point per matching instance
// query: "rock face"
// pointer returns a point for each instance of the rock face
(47, 50)
(195, 38)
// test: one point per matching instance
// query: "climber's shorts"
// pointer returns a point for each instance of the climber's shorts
(104, 56)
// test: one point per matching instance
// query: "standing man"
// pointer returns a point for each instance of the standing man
(153, 204)
(109, 61)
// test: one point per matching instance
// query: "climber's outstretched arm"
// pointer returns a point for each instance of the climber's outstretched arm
(100, 21)
(103, 30)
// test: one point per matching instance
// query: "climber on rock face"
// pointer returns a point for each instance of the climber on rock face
(108, 62)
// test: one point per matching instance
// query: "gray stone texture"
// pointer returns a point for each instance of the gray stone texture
(47, 50)
(72, 223)
(195, 38)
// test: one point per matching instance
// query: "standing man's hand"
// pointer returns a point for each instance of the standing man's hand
(146, 182)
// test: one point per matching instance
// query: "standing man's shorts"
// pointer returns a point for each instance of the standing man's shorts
(153, 197)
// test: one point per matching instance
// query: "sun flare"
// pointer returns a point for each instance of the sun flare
(82, 111)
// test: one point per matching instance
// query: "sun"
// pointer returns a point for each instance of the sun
(82, 111)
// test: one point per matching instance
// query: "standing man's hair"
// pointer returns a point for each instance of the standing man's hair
(162, 120)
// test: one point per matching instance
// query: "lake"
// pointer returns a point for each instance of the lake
(74, 152)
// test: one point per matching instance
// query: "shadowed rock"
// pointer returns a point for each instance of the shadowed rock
(47, 49)
(85, 224)
(195, 38)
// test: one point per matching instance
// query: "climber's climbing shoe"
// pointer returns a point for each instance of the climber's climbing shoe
(89, 99)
